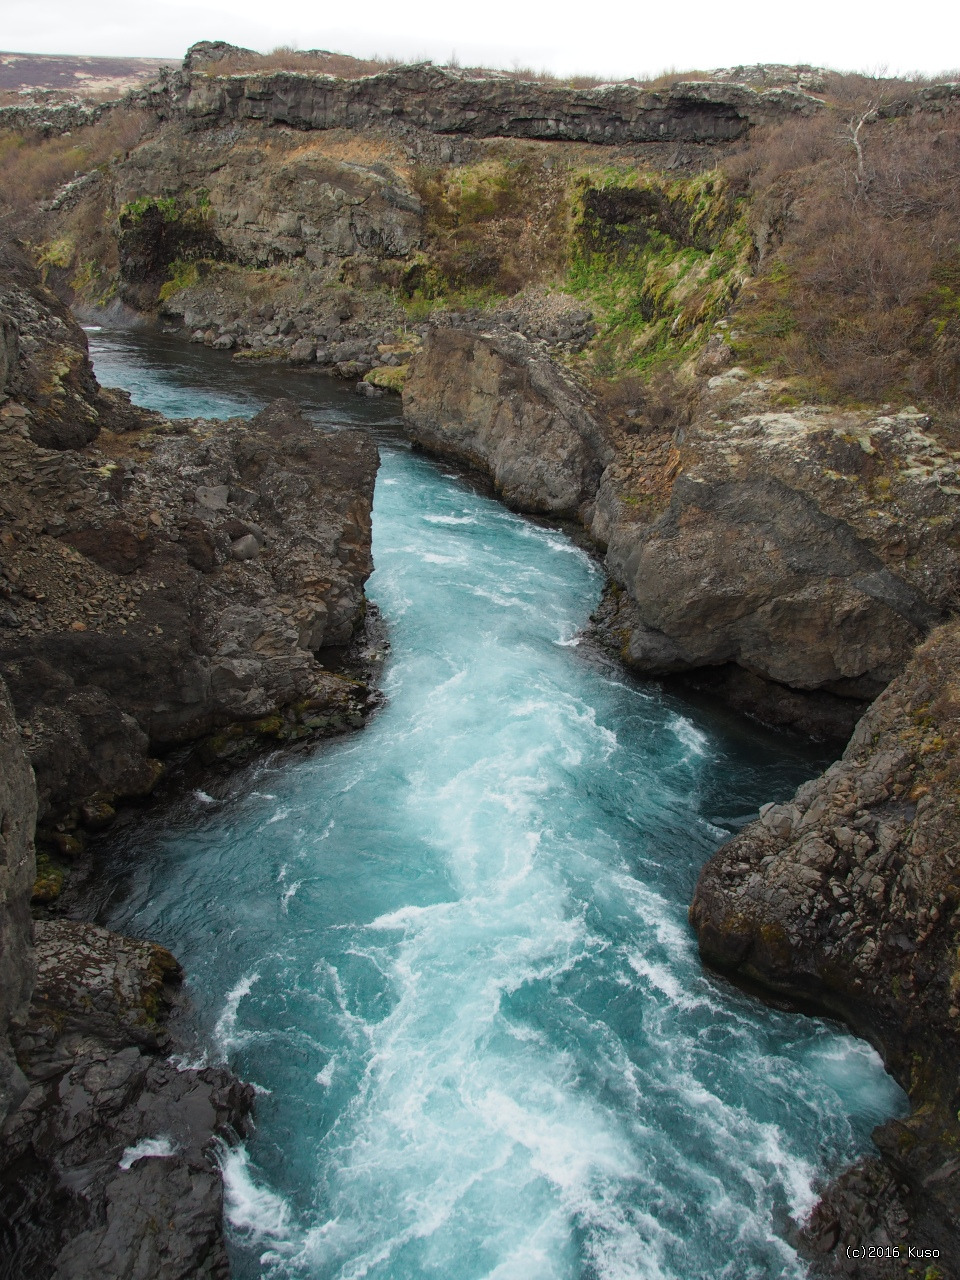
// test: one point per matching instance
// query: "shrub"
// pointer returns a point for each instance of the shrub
(855, 217)
(33, 169)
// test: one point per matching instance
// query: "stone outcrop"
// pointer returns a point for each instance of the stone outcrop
(812, 548)
(796, 558)
(159, 582)
(267, 200)
(172, 584)
(48, 119)
(447, 101)
(109, 1164)
(18, 809)
(43, 362)
(495, 401)
(847, 898)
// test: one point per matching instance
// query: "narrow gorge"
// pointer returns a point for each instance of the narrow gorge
(418, 783)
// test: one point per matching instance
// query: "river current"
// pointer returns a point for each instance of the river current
(450, 951)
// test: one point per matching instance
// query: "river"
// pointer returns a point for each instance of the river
(451, 952)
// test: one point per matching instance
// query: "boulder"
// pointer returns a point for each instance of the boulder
(492, 400)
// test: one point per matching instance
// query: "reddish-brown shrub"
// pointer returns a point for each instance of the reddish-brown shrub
(862, 291)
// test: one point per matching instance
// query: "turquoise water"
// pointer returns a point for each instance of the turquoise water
(451, 951)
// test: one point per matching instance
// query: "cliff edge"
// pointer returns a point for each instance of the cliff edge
(847, 899)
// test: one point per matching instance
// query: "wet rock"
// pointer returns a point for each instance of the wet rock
(848, 898)
(492, 400)
(112, 1149)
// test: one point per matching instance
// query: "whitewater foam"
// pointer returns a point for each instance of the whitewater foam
(455, 951)
(158, 1148)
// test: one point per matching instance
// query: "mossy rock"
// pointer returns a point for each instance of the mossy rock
(97, 812)
(390, 377)
(66, 843)
(264, 353)
(269, 726)
(49, 882)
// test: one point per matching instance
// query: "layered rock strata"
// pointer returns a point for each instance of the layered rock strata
(444, 100)
(847, 899)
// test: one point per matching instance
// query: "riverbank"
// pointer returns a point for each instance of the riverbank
(648, 337)
(165, 583)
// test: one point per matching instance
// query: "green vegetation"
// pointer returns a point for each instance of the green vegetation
(136, 210)
(92, 283)
(183, 274)
(658, 262)
(391, 378)
(194, 213)
(491, 229)
(50, 877)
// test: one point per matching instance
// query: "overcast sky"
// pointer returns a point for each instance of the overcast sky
(618, 38)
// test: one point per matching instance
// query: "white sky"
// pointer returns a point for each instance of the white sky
(618, 38)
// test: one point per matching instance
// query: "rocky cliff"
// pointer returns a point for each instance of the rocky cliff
(176, 582)
(810, 551)
(18, 810)
(109, 1164)
(160, 583)
(446, 101)
(164, 582)
(847, 898)
(498, 402)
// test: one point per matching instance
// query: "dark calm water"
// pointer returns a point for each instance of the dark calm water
(451, 951)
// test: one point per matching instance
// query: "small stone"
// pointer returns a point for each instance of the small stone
(245, 548)
(214, 497)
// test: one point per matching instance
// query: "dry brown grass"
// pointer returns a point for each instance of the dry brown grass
(34, 169)
(311, 62)
(491, 228)
(861, 294)
(347, 67)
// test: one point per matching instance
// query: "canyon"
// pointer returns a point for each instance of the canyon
(168, 583)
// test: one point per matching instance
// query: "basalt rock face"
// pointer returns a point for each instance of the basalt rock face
(43, 361)
(161, 593)
(18, 810)
(446, 101)
(848, 898)
(791, 561)
(268, 201)
(495, 401)
(814, 549)
(109, 1165)
(169, 581)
